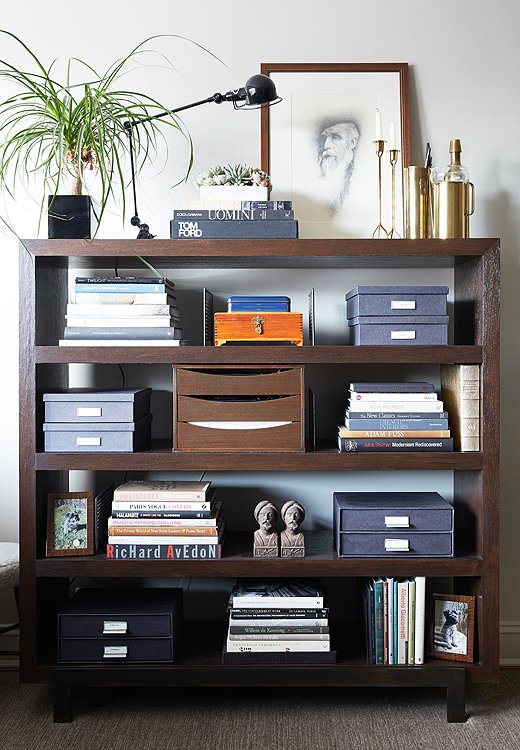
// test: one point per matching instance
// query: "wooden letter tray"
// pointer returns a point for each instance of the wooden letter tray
(258, 327)
(244, 408)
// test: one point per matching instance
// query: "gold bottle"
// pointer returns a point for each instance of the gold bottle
(453, 197)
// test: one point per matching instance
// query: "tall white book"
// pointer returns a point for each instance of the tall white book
(390, 582)
(420, 616)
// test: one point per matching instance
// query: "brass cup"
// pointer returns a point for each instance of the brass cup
(416, 202)
(452, 204)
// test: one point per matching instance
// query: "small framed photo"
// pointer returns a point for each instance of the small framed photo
(452, 627)
(70, 523)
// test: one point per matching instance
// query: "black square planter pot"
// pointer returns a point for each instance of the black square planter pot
(69, 217)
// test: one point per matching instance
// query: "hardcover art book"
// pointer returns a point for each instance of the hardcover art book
(274, 593)
(143, 489)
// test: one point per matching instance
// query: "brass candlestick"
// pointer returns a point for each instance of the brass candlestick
(394, 155)
(380, 147)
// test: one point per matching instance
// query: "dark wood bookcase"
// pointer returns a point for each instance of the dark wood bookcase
(44, 266)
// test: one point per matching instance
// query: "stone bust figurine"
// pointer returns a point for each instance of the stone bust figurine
(266, 538)
(292, 539)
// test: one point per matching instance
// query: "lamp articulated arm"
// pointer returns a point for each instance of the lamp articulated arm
(259, 91)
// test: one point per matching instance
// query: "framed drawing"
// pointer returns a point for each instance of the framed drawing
(318, 144)
(452, 627)
(70, 523)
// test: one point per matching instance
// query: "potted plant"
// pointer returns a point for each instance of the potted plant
(58, 131)
(234, 182)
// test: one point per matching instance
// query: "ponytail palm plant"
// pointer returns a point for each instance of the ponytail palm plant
(57, 131)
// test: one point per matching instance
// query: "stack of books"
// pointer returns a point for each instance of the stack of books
(271, 616)
(248, 220)
(123, 311)
(394, 417)
(394, 615)
(165, 520)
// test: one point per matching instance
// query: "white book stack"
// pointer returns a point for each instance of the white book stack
(123, 311)
(277, 617)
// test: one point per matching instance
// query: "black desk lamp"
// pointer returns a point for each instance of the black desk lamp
(259, 91)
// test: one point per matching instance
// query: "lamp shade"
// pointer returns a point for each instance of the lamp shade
(260, 90)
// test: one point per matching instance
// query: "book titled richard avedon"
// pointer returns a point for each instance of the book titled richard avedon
(164, 551)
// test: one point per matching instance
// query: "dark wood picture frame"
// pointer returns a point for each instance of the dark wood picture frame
(323, 205)
(445, 630)
(71, 528)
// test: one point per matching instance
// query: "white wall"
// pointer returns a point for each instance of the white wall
(463, 83)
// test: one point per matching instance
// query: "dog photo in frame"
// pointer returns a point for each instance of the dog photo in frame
(70, 523)
(452, 627)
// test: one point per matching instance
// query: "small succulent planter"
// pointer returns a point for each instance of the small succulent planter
(234, 182)
(233, 192)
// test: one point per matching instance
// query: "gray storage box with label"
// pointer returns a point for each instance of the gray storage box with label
(392, 524)
(101, 437)
(396, 300)
(86, 405)
(108, 626)
(408, 330)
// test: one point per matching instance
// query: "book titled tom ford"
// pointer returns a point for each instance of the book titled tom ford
(164, 551)
(187, 229)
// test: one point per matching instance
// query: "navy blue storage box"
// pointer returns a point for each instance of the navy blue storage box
(120, 626)
(396, 300)
(392, 524)
(386, 330)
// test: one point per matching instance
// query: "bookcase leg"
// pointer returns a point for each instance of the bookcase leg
(62, 703)
(456, 696)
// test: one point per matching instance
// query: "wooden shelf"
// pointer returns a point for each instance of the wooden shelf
(305, 253)
(163, 459)
(286, 355)
(237, 560)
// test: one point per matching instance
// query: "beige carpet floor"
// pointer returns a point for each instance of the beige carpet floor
(259, 719)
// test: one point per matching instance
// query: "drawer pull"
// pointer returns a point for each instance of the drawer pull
(397, 545)
(402, 304)
(88, 411)
(115, 626)
(397, 522)
(239, 425)
(88, 441)
(115, 652)
(258, 321)
(402, 334)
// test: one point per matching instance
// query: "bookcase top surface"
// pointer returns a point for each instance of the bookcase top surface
(241, 253)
